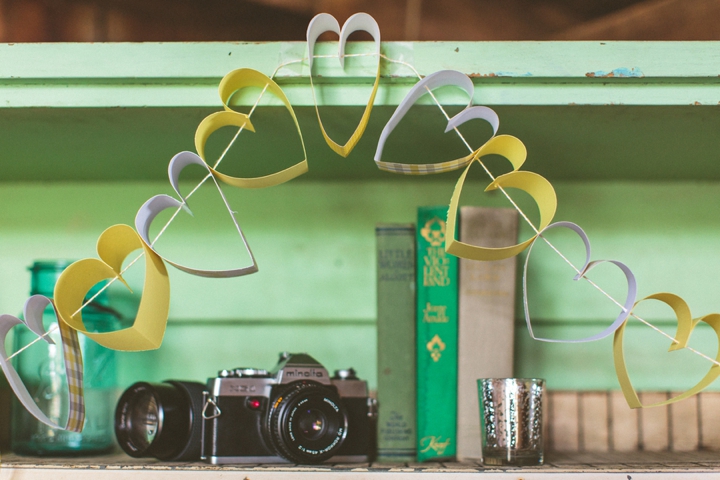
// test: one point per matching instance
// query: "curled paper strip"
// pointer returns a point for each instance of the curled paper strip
(150, 210)
(33, 313)
(113, 246)
(325, 22)
(229, 85)
(439, 79)
(686, 324)
(587, 266)
(536, 186)
(215, 121)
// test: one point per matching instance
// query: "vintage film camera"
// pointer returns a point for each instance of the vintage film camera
(296, 413)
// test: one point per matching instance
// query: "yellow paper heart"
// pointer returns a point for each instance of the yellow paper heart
(113, 246)
(686, 324)
(535, 185)
(231, 83)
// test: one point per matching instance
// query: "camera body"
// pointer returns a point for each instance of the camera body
(295, 413)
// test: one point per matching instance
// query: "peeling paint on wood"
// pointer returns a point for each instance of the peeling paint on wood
(499, 74)
(633, 72)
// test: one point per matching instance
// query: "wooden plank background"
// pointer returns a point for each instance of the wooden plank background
(601, 421)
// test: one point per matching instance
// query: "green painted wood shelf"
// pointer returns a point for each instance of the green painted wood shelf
(118, 112)
(626, 131)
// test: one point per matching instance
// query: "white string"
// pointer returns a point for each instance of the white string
(492, 177)
(487, 171)
(162, 230)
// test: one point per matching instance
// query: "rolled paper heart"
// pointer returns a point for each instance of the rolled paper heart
(229, 85)
(476, 112)
(74, 283)
(150, 210)
(435, 80)
(32, 314)
(319, 24)
(325, 22)
(587, 266)
(686, 324)
(541, 191)
(215, 121)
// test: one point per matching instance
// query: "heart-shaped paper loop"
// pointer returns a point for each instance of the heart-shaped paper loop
(686, 324)
(325, 22)
(113, 246)
(533, 184)
(32, 313)
(215, 121)
(439, 79)
(150, 209)
(587, 266)
(231, 83)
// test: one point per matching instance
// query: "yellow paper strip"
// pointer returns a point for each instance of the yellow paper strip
(686, 324)
(535, 185)
(229, 85)
(114, 245)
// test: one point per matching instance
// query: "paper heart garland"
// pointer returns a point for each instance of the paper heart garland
(147, 332)
(325, 22)
(32, 314)
(150, 209)
(74, 283)
(587, 266)
(686, 324)
(439, 79)
(230, 84)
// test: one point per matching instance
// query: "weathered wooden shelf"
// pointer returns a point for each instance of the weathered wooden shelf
(590, 466)
(119, 112)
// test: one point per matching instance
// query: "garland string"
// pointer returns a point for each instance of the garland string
(487, 171)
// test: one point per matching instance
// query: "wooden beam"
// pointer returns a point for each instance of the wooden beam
(652, 20)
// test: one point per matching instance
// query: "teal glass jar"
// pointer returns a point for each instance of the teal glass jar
(42, 368)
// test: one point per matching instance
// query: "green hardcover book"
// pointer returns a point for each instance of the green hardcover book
(396, 342)
(437, 331)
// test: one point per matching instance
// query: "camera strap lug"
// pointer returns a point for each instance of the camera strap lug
(372, 404)
(209, 402)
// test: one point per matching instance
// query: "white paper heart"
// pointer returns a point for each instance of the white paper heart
(151, 208)
(589, 265)
(439, 79)
(325, 22)
(32, 314)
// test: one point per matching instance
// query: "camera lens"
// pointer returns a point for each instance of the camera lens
(160, 420)
(307, 423)
(311, 423)
(145, 420)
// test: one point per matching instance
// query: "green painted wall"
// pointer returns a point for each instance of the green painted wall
(315, 291)
(626, 131)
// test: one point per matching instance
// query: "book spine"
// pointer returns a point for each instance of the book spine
(486, 332)
(396, 342)
(437, 308)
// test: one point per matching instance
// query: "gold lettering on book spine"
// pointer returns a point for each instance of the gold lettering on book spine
(435, 347)
(435, 444)
(436, 263)
(435, 313)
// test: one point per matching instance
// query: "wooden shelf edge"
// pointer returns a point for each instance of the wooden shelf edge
(589, 465)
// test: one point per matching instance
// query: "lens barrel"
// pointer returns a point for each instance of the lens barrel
(307, 423)
(161, 420)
